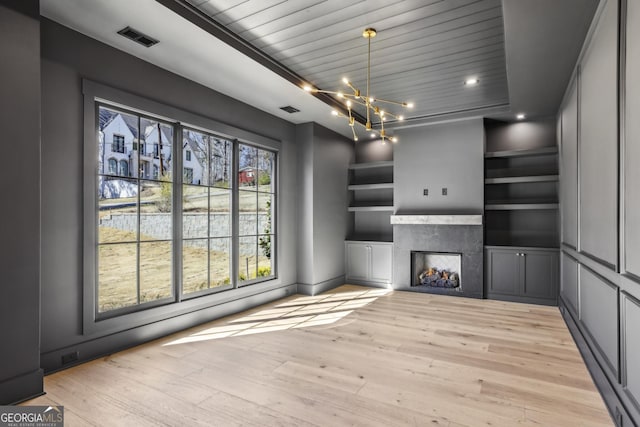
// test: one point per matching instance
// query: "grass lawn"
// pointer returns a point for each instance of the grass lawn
(118, 270)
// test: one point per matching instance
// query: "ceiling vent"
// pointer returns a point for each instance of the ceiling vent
(289, 109)
(137, 37)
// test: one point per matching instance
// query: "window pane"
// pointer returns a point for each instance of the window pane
(195, 206)
(219, 261)
(220, 218)
(155, 154)
(265, 258)
(221, 151)
(195, 276)
(248, 220)
(194, 169)
(118, 210)
(117, 276)
(155, 271)
(265, 213)
(265, 170)
(247, 261)
(156, 222)
(247, 167)
(117, 133)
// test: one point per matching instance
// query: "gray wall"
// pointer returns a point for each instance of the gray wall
(528, 135)
(600, 288)
(20, 374)
(324, 157)
(67, 57)
(447, 155)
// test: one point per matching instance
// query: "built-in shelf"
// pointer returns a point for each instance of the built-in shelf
(371, 165)
(370, 238)
(379, 208)
(522, 153)
(379, 186)
(520, 179)
(436, 219)
(512, 206)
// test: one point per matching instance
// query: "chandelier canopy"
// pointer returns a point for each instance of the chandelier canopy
(371, 104)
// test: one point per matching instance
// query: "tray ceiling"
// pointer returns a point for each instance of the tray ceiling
(423, 52)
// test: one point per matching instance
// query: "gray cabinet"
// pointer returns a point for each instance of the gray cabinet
(369, 262)
(522, 274)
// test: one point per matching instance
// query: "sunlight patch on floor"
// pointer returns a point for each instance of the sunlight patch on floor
(300, 312)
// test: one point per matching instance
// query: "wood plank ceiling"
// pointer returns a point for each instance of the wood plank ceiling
(424, 50)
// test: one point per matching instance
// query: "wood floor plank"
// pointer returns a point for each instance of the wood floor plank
(352, 356)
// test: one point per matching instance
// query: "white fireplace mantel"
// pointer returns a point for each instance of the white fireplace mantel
(436, 219)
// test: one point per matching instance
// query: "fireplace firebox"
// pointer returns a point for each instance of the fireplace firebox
(436, 270)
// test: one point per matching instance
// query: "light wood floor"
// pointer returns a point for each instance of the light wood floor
(353, 356)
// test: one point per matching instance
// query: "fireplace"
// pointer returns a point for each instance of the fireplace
(436, 270)
(449, 243)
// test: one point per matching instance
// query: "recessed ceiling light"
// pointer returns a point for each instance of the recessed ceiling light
(471, 81)
(521, 116)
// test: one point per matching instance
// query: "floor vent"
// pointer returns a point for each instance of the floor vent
(137, 37)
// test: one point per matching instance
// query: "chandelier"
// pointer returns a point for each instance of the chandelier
(372, 105)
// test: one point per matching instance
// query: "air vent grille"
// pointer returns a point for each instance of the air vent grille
(137, 37)
(289, 109)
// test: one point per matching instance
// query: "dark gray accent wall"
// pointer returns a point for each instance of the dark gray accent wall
(373, 151)
(67, 57)
(20, 373)
(598, 127)
(447, 155)
(323, 161)
(527, 135)
(600, 119)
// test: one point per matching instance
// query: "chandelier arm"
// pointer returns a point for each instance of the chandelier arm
(368, 99)
(402, 104)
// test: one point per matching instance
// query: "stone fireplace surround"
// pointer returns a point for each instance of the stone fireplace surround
(439, 233)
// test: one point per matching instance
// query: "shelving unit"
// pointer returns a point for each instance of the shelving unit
(521, 197)
(371, 201)
(521, 212)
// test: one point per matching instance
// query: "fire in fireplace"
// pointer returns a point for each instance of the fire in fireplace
(436, 270)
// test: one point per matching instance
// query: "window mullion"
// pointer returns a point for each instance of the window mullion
(235, 215)
(138, 231)
(177, 210)
(208, 181)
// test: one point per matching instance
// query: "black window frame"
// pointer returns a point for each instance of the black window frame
(94, 92)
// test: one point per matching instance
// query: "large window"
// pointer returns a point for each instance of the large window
(256, 201)
(134, 255)
(165, 234)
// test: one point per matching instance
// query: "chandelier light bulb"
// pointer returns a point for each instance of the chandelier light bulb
(345, 80)
(394, 139)
(340, 95)
(349, 103)
(400, 118)
(410, 105)
(373, 134)
(334, 112)
(307, 88)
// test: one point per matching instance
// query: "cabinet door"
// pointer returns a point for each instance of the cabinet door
(381, 262)
(503, 275)
(540, 274)
(357, 261)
